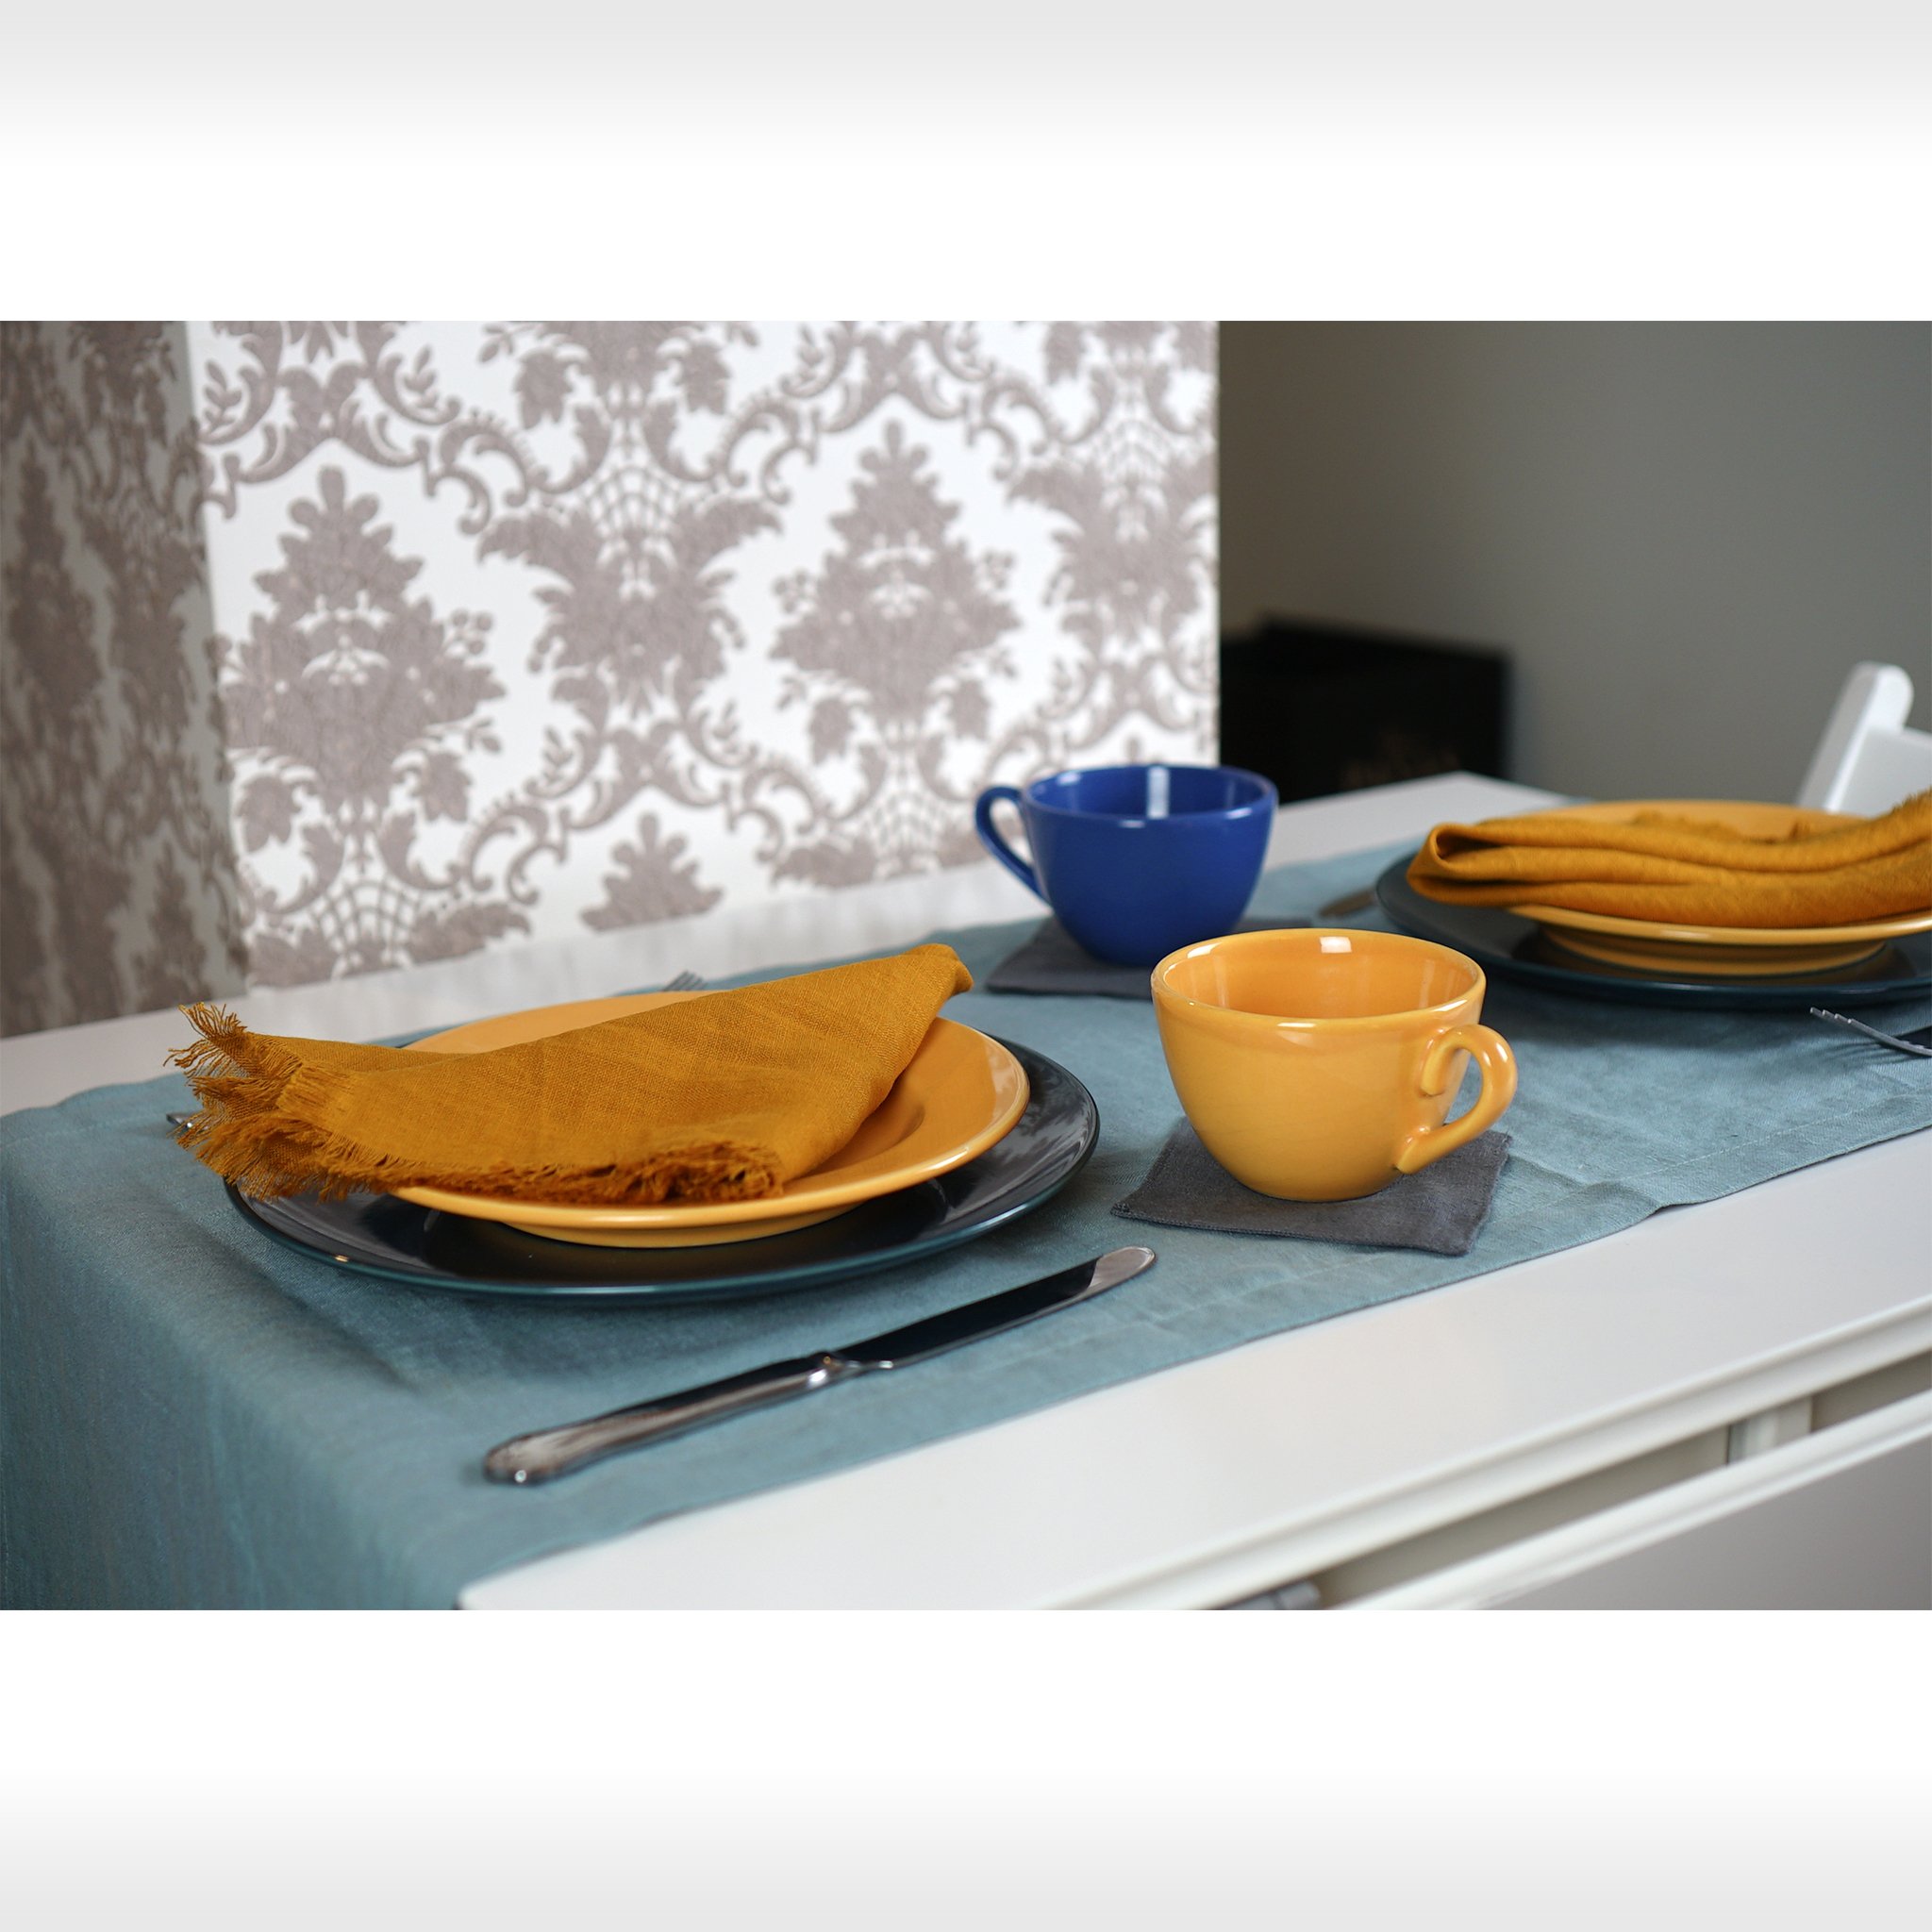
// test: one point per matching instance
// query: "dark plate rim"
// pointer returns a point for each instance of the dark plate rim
(1738, 996)
(736, 1287)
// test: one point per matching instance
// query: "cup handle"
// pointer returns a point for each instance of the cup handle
(1491, 1053)
(990, 838)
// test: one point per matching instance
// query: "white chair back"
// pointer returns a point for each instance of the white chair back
(1868, 758)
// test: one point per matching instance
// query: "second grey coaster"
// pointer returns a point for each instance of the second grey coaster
(1052, 960)
(1439, 1210)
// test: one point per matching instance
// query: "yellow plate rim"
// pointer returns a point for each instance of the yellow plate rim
(800, 1196)
(1898, 925)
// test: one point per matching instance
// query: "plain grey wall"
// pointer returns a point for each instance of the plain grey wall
(1685, 533)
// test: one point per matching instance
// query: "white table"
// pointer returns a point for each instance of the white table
(1726, 1403)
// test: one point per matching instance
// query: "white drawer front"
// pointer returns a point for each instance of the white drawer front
(1841, 1520)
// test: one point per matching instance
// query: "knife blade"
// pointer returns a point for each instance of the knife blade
(545, 1453)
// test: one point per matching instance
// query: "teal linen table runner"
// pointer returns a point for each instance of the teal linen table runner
(191, 1414)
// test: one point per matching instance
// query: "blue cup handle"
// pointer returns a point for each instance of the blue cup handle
(990, 838)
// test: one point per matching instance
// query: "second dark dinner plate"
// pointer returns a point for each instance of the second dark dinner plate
(1511, 947)
(379, 1235)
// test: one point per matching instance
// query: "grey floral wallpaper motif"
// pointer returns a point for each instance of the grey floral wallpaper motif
(351, 704)
(526, 627)
(767, 605)
(117, 870)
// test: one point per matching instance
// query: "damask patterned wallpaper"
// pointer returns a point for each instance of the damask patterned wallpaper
(523, 627)
(118, 888)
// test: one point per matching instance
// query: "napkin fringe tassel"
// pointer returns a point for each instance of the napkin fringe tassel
(239, 1080)
(250, 1131)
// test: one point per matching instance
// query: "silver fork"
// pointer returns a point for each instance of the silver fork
(1891, 1040)
(683, 982)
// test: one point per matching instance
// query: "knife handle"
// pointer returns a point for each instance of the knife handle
(547, 1452)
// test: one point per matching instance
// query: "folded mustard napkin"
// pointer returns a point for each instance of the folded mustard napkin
(1810, 871)
(718, 1098)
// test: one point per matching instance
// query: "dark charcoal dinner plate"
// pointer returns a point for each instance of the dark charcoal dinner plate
(376, 1234)
(1515, 948)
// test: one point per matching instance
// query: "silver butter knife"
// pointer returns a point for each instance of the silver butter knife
(547, 1452)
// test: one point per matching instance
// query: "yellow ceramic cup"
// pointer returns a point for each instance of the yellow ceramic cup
(1318, 1065)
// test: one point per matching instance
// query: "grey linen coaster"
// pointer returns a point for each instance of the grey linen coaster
(1052, 960)
(1439, 1210)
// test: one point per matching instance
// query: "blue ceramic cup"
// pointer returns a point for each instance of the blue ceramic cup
(1138, 860)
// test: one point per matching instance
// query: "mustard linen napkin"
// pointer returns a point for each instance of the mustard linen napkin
(1810, 872)
(718, 1098)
